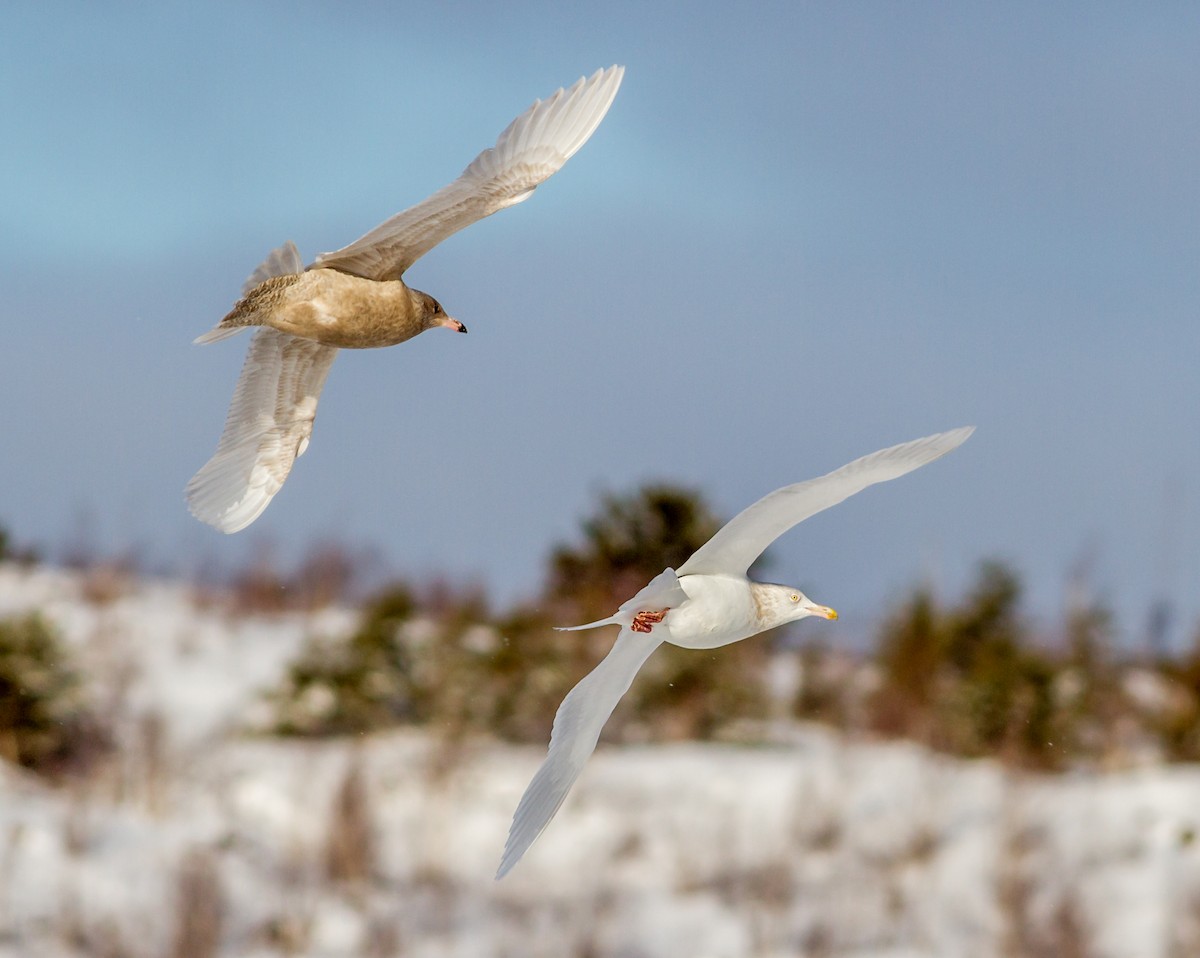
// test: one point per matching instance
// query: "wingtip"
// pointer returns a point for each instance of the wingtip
(938, 444)
(219, 523)
(216, 334)
(517, 844)
(604, 75)
(959, 435)
(224, 521)
(206, 499)
(514, 850)
(611, 620)
(613, 74)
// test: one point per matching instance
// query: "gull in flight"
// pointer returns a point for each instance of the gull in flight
(706, 603)
(354, 298)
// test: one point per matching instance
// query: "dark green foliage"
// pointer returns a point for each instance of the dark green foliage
(970, 677)
(25, 555)
(986, 624)
(447, 667)
(1095, 704)
(627, 542)
(529, 671)
(456, 668)
(693, 693)
(44, 724)
(1177, 722)
(679, 693)
(997, 681)
(356, 685)
(970, 680)
(911, 650)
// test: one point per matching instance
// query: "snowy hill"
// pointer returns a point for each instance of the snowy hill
(200, 838)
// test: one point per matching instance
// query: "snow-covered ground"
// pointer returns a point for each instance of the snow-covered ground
(812, 845)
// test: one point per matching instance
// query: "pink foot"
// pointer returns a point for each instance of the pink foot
(645, 621)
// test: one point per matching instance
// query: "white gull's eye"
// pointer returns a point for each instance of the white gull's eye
(795, 597)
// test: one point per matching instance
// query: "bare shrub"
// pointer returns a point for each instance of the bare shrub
(152, 745)
(199, 906)
(260, 588)
(1183, 938)
(350, 839)
(105, 940)
(77, 829)
(383, 938)
(287, 934)
(105, 582)
(328, 573)
(101, 938)
(1064, 932)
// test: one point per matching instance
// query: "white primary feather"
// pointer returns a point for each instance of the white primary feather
(532, 149)
(269, 423)
(746, 536)
(577, 726)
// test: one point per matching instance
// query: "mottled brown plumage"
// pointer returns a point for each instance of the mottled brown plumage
(339, 309)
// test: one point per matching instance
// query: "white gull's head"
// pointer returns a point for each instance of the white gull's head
(778, 604)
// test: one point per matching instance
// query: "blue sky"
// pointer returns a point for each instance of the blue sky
(804, 232)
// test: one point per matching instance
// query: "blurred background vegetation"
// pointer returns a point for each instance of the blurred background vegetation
(46, 722)
(969, 675)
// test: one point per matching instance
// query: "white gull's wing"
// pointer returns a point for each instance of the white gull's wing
(746, 536)
(269, 423)
(577, 726)
(533, 148)
(662, 592)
